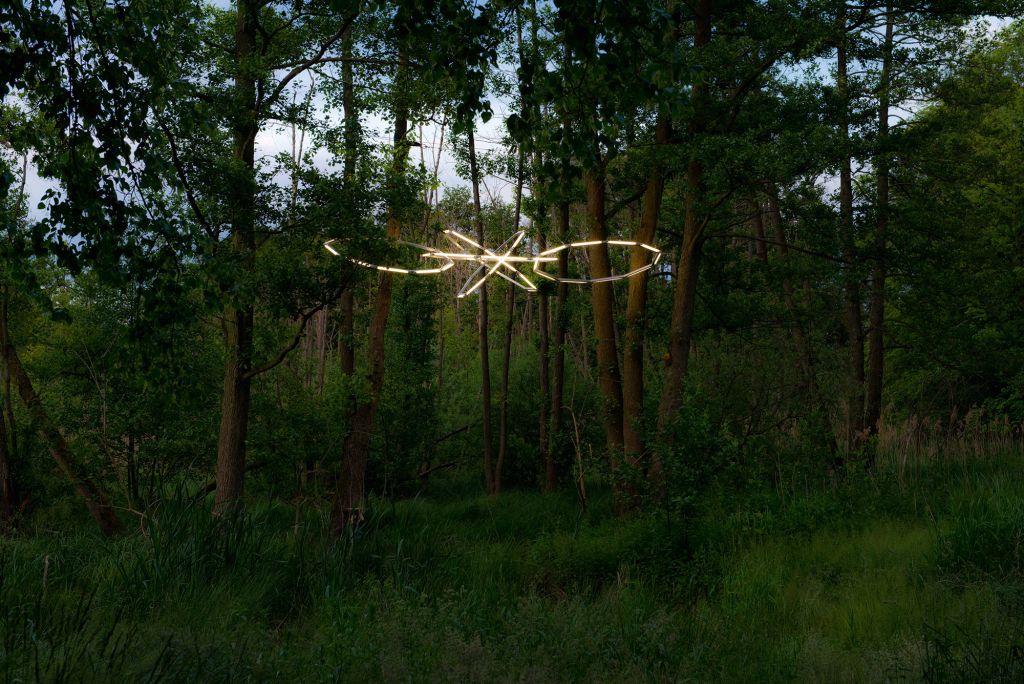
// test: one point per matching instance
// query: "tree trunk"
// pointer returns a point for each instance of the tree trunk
(851, 286)
(808, 378)
(348, 355)
(348, 360)
(636, 312)
(482, 327)
(561, 321)
(95, 500)
(234, 420)
(7, 496)
(350, 499)
(688, 268)
(238, 318)
(603, 302)
(876, 321)
(805, 355)
(346, 301)
(681, 330)
(440, 352)
(545, 366)
(5, 378)
(510, 307)
(7, 440)
(757, 217)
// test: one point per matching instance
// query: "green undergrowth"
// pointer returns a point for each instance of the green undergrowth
(861, 579)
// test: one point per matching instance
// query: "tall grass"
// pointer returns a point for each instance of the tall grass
(905, 446)
(860, 580)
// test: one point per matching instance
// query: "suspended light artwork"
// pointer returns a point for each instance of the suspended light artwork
(393, 269)
(503, 261)
(547, 255)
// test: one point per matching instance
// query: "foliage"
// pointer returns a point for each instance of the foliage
(808, 581)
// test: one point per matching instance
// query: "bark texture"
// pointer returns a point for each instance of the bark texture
(602, 299)
(237, 319)
(636, 309)
(482, 330)
(851, 286)
(876, 317)
(95, 500)
(350, 498)
(688, 266)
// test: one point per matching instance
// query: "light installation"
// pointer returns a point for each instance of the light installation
(393, 269)
(547, 255)
(503, 261)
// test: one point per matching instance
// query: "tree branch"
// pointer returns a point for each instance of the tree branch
(373, 61)
(180, 170)
(306, 64)
(276, 361)
(625, 202)
(769, 241)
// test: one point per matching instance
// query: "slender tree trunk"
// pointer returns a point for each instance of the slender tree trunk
(545, 363)
(636, 304)
(350, 499)
(510, 305)
(346, 341)
(7, 496)
(321, 350)
(603, 302)
(7, 449)
(348, 355)
(95, 500)
(5, 378)
(805, 355)
(803, 347)
(876, 327)
(134, 498)
(482, 328)
(636, 313)
(688, 268)
(348, 94)
(506, 364)
(757, 218)
(540, 223)
(584, 346)
(851, 286)
(440, 352)
(556, 438)
(234, 422)
(561, 321)
(238, 318)
(681, 330)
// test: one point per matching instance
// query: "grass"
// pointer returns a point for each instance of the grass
(873, 579)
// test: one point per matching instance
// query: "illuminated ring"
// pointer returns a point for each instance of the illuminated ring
(429, 251)
(548, 255)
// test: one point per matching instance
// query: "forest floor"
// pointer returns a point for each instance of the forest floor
(874, 578)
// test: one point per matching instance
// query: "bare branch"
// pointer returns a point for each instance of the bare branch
(625, 202)
(769, 241)
(277, 360)
(180, 170)
(372, 61)
(306, 64)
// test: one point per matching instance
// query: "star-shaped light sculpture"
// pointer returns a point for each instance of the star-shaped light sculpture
(500, 261)
(503, 261)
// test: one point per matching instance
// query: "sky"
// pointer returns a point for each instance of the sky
(273, 140)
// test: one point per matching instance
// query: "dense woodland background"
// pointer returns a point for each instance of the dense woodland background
(791, 449)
